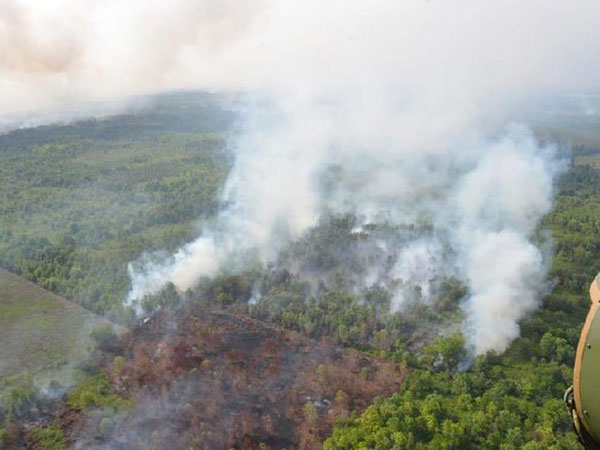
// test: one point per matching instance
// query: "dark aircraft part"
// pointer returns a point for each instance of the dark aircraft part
(583, 398)
(584, 437)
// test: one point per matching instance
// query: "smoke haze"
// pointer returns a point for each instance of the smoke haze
(411, 101)
(58, 53)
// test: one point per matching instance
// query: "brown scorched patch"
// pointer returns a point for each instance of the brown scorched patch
(215, 380)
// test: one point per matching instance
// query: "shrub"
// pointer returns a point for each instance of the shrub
(95, 392)
(105, 337)
(3, 437)
(48, 438)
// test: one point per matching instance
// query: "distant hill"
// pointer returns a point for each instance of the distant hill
(38, 329)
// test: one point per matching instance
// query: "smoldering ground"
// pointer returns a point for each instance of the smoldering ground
(216, 379)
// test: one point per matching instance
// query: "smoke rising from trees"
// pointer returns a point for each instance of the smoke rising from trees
(410, 101)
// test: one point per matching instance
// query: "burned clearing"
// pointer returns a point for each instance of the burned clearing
(212, 379)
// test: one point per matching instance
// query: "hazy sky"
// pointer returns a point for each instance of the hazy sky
(54, 53)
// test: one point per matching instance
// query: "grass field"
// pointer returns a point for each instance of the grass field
(40, 331)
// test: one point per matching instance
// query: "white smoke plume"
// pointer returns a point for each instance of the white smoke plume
(417, 266)
(411, 99)
(496, 207)
(485, 194)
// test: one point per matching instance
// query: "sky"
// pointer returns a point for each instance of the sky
(68, 53)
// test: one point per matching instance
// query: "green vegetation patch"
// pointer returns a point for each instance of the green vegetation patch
(488, 407)
(4, 438)
(48, 438)
(17, 393)
(95, 391)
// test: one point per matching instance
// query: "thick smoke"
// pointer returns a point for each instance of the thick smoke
(411, 101)
(93, 53)
(497, 206)
(464, 53)
(483, 194)
(417, 265)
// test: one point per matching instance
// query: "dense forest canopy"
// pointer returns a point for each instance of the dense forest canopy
(82, 200)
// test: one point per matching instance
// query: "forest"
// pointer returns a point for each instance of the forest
(78, 202)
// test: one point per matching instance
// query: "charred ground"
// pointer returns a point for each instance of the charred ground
(212, 379)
